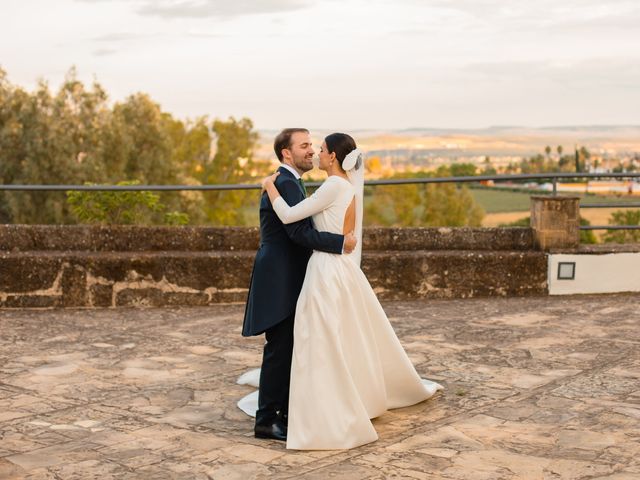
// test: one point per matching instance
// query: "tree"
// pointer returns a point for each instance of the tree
(117, 208)
(462, 169)
(191, 153)
(145, 149)
(423, 205)
(373, 166)
(233, 163)
(581, 156)
(624, 217)
(8, 166)
(48, 139)
(447, 204)
(191, 145)
(489, 169)
(73, 136)
(397, 205)
(566, 163)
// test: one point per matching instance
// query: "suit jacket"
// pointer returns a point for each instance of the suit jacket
(281, 261)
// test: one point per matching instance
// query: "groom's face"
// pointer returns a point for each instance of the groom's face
(301, 151)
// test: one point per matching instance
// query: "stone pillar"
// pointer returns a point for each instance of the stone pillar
(555, 221)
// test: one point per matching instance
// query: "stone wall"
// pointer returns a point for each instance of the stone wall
(96, 266)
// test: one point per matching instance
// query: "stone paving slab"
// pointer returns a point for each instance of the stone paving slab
(536, 388)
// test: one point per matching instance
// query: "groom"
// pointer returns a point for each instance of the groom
(276, 281)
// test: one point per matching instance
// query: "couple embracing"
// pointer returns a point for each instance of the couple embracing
(331, 360)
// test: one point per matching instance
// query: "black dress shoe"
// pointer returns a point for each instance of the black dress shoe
(276, 430)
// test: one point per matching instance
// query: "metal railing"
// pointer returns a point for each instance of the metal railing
(552, 177)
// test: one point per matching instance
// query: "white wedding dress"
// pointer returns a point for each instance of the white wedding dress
(348, 365)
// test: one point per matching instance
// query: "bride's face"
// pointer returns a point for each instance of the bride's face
(325, 157)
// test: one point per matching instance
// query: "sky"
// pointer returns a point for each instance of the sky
(342, 64)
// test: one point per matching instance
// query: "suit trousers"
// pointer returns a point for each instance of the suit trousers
(273, 395)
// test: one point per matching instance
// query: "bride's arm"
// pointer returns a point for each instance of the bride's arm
(319, 201)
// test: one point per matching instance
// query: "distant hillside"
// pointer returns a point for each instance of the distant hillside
(495, 141)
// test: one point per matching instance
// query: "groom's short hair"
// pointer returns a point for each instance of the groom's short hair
(283, 140)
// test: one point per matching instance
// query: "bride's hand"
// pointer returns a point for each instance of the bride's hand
(350, 242)
(270, 179)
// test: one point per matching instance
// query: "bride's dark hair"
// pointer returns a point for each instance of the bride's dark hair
(341, 144)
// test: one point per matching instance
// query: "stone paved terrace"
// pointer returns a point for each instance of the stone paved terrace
(536, 388)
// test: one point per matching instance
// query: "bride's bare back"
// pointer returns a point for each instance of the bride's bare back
(333, 207)
(350, 218)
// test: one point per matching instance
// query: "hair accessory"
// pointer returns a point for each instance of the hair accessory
(353, 160)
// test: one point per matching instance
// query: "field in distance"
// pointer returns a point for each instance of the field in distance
(500, 141)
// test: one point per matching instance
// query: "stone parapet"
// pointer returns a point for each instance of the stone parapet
(124, 238)
(88, 266)
(448, 238)
(114, 279)
(397, 275)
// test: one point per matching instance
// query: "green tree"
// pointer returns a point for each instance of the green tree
(624, 217)
(462, 169)
(145, 151)
(233, 163)
(114, 208)
(47, 139)
(581, 157)
(422, 205)
(447, 204)
(566, 163)
(191, 153)
(191, 142)
(118, 208)
(489, 169)
(8, 134)
(397, 205)
(74, 136)
(144, 143)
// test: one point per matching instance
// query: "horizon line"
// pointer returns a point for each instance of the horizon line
(533, 127)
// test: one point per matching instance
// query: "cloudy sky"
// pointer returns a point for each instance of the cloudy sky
(343, 64)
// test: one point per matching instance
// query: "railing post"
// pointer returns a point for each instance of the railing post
(555, 186)
(555, 221)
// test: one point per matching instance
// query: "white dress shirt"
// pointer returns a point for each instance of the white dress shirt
(292, 170)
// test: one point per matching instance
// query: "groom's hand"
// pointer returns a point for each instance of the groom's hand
(350, 242)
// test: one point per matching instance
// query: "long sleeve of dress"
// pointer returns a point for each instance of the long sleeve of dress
(302, 231)
(319, 201)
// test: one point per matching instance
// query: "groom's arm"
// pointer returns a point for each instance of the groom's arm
(302, 232)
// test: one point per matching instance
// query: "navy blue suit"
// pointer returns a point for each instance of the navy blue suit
(276, 281)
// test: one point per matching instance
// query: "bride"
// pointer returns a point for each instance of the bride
(348, 365)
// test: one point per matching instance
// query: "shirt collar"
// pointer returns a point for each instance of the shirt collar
(291, 169)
